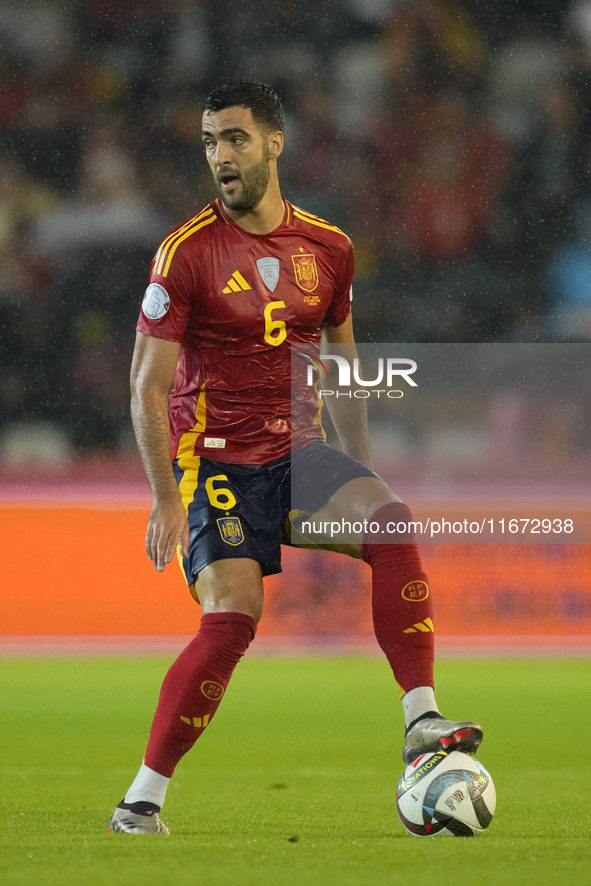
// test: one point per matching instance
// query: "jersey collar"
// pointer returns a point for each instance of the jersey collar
(287, 217)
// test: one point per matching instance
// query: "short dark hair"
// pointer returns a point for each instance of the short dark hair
(262, 101)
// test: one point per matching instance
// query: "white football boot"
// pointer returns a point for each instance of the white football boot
(125, 821)
(438, 734)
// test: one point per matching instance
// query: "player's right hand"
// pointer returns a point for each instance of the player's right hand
(167, 526)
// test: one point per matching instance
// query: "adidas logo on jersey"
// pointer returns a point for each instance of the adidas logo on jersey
(236, 283)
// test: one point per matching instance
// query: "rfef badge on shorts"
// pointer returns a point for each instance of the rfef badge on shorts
(231, 530)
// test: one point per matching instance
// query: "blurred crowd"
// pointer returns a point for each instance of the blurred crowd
(451, 140)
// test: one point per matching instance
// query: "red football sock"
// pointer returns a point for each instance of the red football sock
(401, 602)
(194, 686)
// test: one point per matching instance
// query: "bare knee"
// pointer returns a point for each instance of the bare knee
(231, 586)
(357, 500)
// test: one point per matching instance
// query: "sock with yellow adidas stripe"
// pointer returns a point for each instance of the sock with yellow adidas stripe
(194, 686)
(401, 601)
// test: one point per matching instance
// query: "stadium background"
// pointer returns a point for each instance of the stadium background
(450, 140)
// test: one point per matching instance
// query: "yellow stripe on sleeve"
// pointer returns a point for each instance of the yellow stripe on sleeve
(319, 223)
(168, 240)
(309, 214)
(174, 246)
(161, 254)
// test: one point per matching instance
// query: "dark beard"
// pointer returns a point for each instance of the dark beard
(254, 185)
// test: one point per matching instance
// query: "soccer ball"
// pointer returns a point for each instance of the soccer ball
(446, 794)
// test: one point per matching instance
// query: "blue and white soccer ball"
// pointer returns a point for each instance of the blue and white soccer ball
(446, 794)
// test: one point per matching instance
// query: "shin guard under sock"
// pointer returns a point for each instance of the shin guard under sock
(194, 686)
(401, 602)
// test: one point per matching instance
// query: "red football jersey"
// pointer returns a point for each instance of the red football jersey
(236, 301)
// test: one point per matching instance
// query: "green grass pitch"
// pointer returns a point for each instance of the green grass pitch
(299, 746)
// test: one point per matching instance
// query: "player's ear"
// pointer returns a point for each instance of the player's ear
(275, 143)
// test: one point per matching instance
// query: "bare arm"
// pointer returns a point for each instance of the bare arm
(152, 375)
(349, 416)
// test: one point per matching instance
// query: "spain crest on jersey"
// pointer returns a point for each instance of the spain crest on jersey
(231, 530)
(306, 272)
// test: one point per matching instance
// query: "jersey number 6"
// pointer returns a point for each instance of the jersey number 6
(274, 326)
